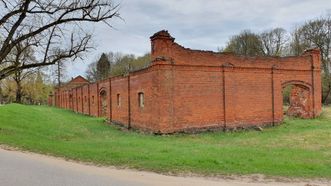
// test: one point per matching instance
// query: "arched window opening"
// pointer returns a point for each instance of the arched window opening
(103, 103)
(141, 101)
(118, 98)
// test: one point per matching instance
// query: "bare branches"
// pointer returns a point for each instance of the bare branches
(273, 41)
(71, 53)
(45, 24)
(4, 2)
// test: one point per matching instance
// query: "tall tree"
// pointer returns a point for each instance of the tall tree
(274, 42)
(298, 44)
(141, 62)
(91, 72)
(18, 77)
(53, 28)
(316, 33)
(123, 65)
(8, 88)
(59, 72)
(34, 89)
(21, 54)
(246, 43)
(103, 67)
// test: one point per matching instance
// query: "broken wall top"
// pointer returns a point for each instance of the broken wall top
(164, 48)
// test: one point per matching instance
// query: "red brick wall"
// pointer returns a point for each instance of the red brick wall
(79, 100)
(120, 112)
(146, 116)
(86, 101)
(93, 99)
(104, 86)
(74, 100)
(253, 86)
(188, 89)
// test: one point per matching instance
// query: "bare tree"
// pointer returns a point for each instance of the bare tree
(21, 54)
(53, 28)
(91, 72)
(274, 42)
(59, 72)
(316, 33)
(18, 77)
(298, 45)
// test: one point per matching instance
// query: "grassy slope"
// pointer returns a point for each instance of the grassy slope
(297, 148)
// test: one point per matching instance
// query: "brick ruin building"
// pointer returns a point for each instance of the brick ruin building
(186, 89)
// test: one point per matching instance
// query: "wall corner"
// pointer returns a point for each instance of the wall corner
(161, 43)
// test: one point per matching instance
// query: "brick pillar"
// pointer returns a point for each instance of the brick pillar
(315, 80)
(228, 92)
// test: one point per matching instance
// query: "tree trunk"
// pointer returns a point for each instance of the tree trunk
(58, 74)
(325, 98)
(0, 94)
(18, 92)
(325, 65)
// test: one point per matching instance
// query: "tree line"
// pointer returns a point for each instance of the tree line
(115, 64)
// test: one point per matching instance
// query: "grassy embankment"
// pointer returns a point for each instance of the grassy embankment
(297, 148)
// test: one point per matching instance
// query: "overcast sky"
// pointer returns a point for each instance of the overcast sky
(198, 24)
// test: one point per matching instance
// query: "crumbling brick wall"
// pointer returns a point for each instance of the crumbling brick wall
(186, 89)
(300, 103)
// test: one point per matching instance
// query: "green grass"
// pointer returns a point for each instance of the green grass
(297, 148)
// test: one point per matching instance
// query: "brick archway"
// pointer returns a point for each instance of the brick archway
(300, 99)
(103, 104)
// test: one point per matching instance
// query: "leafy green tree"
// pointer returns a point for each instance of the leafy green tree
(123, 65)
(129, 62)
(103, 67)
(246, 43)
(268, 43)
(120, 64)
(34, 89)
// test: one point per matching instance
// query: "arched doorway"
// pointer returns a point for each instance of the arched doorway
(297, 99)
(103, 103)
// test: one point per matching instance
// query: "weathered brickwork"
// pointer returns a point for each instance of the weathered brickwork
(186, 89)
